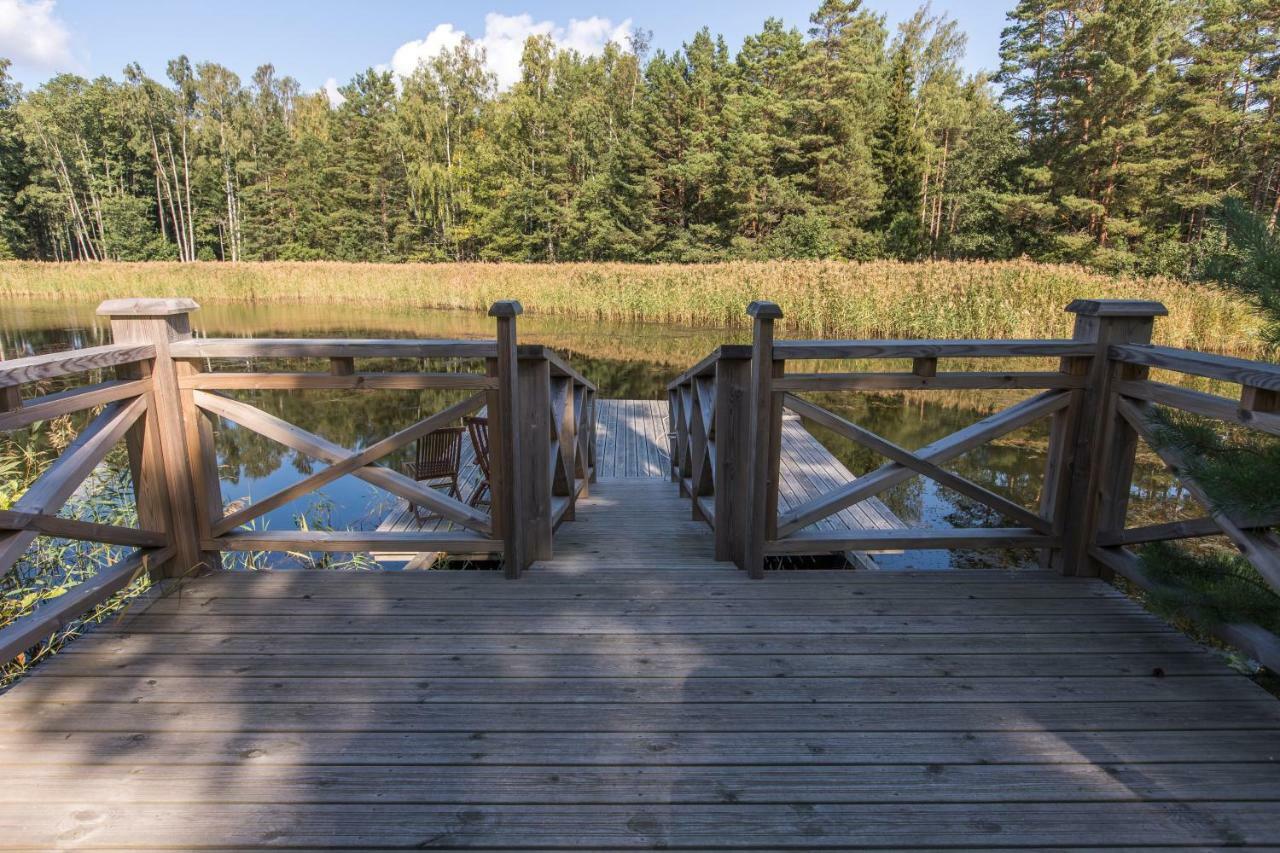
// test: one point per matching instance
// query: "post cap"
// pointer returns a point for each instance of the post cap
(146, 307)
(762, 309)
(1118, 308)
(506, 308)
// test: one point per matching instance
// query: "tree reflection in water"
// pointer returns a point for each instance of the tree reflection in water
(626, 361)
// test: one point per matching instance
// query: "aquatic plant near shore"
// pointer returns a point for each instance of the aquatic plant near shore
(951, 299)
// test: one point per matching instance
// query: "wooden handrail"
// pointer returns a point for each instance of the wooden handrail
(1096, 399)
(1077, 396)
(66, 402)
(870, 349)
(217, 348)
(343, 463)
(559, 367)
(952, 380)
(915, 462)
(1200, 403)
(20, 371)
(351, 348)
(707, 365)
(339, 382)
(57, 613)
(1239, 371)
(942, 450)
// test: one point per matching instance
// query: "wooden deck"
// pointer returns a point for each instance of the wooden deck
(632, 444)
(634, 693)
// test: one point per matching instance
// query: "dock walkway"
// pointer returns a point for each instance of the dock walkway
(633, 693)
(632, 444)
(613, 686)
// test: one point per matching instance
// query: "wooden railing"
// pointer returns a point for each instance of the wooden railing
(127, 411)
(726, 422)
(1129, 419)
(162, 401)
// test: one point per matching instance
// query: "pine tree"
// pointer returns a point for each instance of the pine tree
(269, 223)
(683, 116)
(899, 153)
(1249, 265)
(837, 114)
(1085, 78)
(365, 174)
(612, 216)
(765, 167)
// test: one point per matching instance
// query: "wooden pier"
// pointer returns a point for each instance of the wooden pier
(644, 674)
(635, 693)
(633, 443)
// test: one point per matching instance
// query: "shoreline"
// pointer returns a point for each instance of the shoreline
(830, 299)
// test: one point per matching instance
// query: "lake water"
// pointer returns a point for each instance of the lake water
(627, 361)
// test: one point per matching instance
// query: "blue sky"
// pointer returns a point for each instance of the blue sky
(324, 41)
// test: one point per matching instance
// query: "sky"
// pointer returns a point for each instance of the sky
(324, 44)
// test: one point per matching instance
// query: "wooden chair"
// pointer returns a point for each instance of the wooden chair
(438, 458)
(478, 429)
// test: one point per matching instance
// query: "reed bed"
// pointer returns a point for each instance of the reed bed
(959, 299)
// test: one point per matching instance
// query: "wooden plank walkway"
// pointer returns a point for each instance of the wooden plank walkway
(807, 469)
(632, 693)
(632, 444)
(631, 439)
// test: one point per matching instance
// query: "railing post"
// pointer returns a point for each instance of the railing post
(732, 460)
(172, 457)
(1091, 449)
(533, 423)
(591, 437)
(764, 442)
(564, 480)
(680, 433)
(507, 485)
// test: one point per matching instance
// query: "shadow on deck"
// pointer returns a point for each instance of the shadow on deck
(620, 696)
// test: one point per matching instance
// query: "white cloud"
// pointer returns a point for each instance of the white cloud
(504, 38)
(590, 36)
(411, 54)
(30, 33)
(331, 90)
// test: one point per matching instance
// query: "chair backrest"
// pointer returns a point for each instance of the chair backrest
(440, 450)
(478, 429)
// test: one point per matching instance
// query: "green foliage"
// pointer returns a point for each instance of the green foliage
(1209, 589)
(900, 156)
(14, 169)
(1140, 117)
(53, 567)
(1249, 264)
(1238, 471)
(802, 236)
(1118, 130)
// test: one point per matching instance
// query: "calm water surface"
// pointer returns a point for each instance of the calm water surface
(625, 360)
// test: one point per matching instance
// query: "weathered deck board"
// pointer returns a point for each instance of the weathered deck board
(960, 783)
(634, 693)
(632, 826)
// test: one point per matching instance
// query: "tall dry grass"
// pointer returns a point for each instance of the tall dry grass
(819, 299)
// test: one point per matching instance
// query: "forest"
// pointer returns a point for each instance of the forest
(1110, 134)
